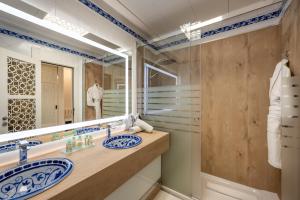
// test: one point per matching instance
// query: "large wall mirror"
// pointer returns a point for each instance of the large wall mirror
(50, 78)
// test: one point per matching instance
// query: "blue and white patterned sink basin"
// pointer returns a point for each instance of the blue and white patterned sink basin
(25, 181)
(122, 141)
(13, 146)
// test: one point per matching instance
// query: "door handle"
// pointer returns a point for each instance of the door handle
(4, 118)
(4, 124)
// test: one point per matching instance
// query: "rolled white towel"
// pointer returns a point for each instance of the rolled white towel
(135, 129)
(143, 125)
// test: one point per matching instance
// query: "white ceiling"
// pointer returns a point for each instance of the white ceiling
(159, 17)
(152, 18)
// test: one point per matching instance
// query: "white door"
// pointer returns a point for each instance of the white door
(20, 90)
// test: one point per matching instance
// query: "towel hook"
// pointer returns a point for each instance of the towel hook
(286, 54)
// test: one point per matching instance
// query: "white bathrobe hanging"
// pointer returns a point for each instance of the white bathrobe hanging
(94, 97)
(274, 117)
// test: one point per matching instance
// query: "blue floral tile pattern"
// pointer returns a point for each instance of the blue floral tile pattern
(122, 141)
(13, 146)
(121, 25)
(237, 25)
(224, 29)
(25, 181)
(130, 31)
(47, 44)
(83, 131)
(113, 20)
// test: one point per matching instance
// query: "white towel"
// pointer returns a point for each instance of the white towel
(274, 117)
(143, 125)
(274, 155)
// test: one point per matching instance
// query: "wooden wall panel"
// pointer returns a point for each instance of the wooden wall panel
(235, 76)
(263, 55)
(224, 92)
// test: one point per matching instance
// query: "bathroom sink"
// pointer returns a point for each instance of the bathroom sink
(25, 181)
(122, 141)
(13, 146)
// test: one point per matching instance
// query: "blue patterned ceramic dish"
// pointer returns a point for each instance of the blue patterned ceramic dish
(25, 181)
(13, 146)
(122, 141)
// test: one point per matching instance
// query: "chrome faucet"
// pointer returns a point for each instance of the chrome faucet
(108, 131)
(23, 148)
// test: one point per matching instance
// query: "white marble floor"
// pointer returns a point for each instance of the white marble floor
(165, 196)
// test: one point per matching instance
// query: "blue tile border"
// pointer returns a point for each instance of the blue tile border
(113, 20)
(224, 29)
(47, 44)
(109, 17)
(244, 23)
(206, 34)
(13, 146)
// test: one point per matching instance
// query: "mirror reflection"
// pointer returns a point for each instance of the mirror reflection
(104, 89)
(62, 83)
(43, 94)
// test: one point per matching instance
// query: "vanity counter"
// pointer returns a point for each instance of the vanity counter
(99, 171)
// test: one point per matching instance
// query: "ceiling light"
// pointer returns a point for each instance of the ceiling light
(189, 33)
(197, 25)
(192, 30)
(64, 24)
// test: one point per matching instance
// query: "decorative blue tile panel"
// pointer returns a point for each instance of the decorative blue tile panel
(13, 146)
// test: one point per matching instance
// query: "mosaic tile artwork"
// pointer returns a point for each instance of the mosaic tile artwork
(21, 77)
(21, 114)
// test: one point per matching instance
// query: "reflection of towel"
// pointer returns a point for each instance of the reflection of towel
(94, 97)
(274, 117)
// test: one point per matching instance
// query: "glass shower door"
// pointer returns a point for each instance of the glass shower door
(169, 99)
